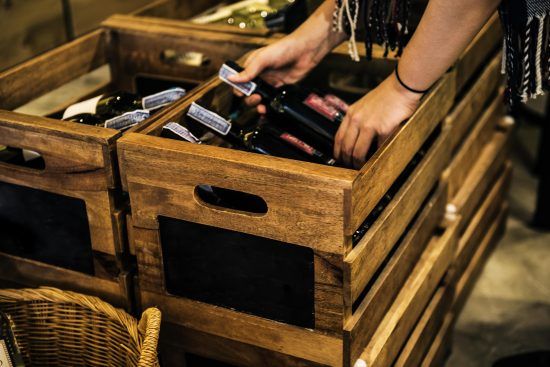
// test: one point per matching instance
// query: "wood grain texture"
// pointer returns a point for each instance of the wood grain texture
(304, 200)
(294, 341)
(481, 221)
(441, 346)
(472, 147)
(470, 107)
(478, 52)
(176, 341)
(426, 330)
(361, 263)
(51, 69)
(389, 161)
(392, 332)
(30, 273)
(470, 275)
(359, 327)
(482, 175)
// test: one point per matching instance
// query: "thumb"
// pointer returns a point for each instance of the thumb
(254, 67)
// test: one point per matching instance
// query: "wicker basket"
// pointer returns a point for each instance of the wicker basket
(58, 328)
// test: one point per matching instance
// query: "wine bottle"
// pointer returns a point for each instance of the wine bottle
(9, 155)
(173, 130)
(314, 120)
(222, 127)
(110, 105)
(10, 355)
(86, 119)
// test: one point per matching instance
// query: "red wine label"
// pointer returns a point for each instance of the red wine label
(161, 99)
(304, 147)
(318, 104)
(336, 102)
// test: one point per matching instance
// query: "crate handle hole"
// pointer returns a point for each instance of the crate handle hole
(189, 58)
(226, 199)
(22, 158)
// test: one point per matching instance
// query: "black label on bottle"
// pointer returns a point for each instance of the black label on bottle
(209, 118)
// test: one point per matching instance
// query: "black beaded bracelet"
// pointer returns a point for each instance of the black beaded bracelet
(406, 86)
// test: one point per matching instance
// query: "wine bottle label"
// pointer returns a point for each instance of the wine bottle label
(127, 120)
(336, 102)
(304, 147)
(5, 359)
(182, 132)
(87, 106)
(318, 104)
(245, 88)
(29, 155)
(161, 99)
(209, 118)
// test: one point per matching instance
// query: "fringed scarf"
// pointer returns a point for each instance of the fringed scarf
(526, 56)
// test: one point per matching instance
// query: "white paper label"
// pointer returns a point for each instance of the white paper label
(127, 120)
(209, 118)
(161, 99)
(245, 88)
(87, 106)
(182, 132)
(5, 360)
(29, 155)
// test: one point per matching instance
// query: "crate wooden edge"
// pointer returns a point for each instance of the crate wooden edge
(31, 273)
(391, 334)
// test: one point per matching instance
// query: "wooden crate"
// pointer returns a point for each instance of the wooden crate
(244, 340)
(312, 206)
(80, 161)
(441, 346)
(427, 328)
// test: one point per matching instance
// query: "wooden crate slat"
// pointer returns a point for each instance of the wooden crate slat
(426, 329)
(482, 174)
(361, 263)
(470, 106)
(359, 328)
(52, 69)
(441, 346)
(294, 341)
(392, 332)
(385, 166)
(478, 51)
(473, 146)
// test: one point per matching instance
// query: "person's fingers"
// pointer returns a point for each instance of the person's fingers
(262, 110)
(253, 67)
(253, 100)
(382, 138)
(348, 143)
(362, 146)
(339, 137)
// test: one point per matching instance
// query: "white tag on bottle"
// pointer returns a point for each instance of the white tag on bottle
(29, 155)
(182, 132)
(161, 99)
(87, 106)
(245, 88)
(209, 118)
(127, 120)
(5, 360)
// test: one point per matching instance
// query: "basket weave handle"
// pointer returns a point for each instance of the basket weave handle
(149, 328)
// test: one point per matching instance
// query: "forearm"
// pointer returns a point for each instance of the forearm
(316, 33)
(444, 32)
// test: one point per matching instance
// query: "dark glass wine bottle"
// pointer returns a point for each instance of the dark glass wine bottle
(10, 355)
(109, 105)
(86, 119)
(313, 119)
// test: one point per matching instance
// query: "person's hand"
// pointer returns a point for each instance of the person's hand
(376, 115)
(284, 62)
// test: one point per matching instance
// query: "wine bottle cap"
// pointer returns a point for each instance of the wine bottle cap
(161, 99)
(127, 120)
(182, 132)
